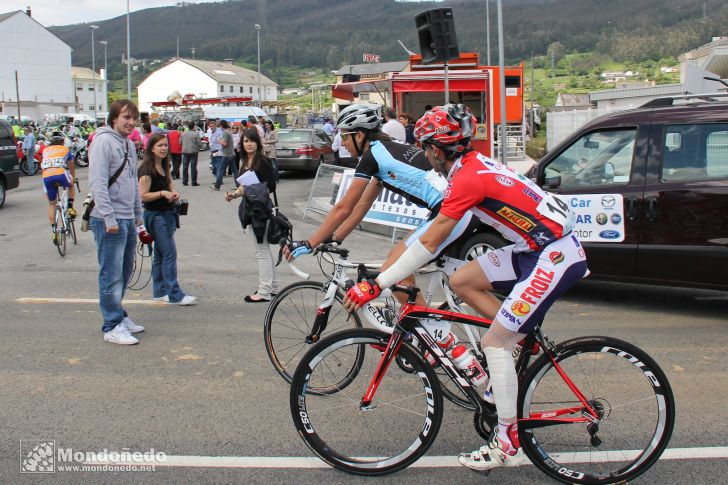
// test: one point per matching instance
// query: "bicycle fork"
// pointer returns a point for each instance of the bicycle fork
(388, 355)
(322, 315)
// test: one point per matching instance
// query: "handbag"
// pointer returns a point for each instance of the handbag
(88, 202)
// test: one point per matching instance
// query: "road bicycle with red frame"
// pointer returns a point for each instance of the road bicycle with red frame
(591, 410)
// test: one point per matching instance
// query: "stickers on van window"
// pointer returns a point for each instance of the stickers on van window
(599, 217)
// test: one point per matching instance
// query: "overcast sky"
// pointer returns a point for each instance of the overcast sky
(64, 12)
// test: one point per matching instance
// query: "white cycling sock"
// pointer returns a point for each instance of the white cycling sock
(504, 381)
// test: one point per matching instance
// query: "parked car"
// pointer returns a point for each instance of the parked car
(669, 164)
(303, 149)
(9, 165)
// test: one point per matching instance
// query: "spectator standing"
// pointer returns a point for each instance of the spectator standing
(409, 127)
(156, 190)
(269, 144)
(252, 121)
(228, 156)
(101, 125)
(155, 126)
(136, 138)
(235, 129)
(116, 213)
(29, 148)
(191, 144)
(329, 127)
(255, 160)
(175, 149)
(147, 127)
(213, 137)
(344, 158)
(392, 127)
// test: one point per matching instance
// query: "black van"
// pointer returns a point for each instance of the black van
(669, 164)
(9, 166)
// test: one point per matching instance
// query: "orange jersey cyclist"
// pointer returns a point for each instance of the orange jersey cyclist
(544, 261)
(58, 170)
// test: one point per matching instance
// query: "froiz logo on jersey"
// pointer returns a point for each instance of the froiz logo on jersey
(520, 308)
(392, 175)
(519, 220)
(505, 181)
(539, 284)
(493, 258)
(556, 257)
(442, 129)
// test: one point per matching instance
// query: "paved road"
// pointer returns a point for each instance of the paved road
(200, 384)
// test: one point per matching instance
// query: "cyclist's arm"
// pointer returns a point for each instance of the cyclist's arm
(365, 203)
(340, 212)
(419, 253)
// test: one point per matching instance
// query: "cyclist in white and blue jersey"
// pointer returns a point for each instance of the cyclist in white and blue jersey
(383, 162)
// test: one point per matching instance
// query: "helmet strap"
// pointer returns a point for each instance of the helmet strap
(359, 150)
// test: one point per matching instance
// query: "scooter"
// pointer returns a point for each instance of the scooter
(22, 159)
(79, 149)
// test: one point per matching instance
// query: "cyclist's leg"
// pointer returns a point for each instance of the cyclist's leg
(51, 192)
(542, 277)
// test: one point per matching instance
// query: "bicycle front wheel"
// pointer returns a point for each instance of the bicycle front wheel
(633, 400)
(289, 321)
(389, 434)
(60, 232)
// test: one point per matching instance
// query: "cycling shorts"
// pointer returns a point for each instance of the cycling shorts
(535, 279)
(49, 184)
(458, 231)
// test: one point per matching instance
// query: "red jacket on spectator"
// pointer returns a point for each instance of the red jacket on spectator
(175, 146)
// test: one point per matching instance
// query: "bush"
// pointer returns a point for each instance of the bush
(536, 147)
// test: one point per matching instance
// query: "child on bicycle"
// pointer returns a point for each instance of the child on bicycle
(58, 170)
(543, 263)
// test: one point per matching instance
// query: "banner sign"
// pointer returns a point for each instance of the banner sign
(389, 209)
(372, 58)
(599, 217)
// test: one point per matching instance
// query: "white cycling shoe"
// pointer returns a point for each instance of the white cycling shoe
(495, 454)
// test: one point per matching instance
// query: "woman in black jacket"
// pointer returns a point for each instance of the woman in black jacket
(255, 211)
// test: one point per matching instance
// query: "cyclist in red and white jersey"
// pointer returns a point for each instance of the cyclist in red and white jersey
(544, 261)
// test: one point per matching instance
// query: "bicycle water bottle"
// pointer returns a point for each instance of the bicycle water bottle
(445, 344)
(465, 360)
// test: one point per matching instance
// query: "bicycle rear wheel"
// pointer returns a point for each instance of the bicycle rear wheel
(290, 318)
(72, 230)
(631, 395)
(60, 232)
(388, 435)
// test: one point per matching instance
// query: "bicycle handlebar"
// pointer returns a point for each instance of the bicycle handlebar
(298, 272)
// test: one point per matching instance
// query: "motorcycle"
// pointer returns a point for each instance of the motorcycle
(79, 149)
(204, 143)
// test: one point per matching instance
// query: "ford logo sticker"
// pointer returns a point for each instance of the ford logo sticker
(609, 234)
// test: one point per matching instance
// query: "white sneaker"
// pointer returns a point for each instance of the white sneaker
(120, 335)
(494, 454)
(186, 301)
(131, 326)
(164, 298)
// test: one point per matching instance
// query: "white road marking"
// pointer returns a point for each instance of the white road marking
(424, 462)
(95, 301)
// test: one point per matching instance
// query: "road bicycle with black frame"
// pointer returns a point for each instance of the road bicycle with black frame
(305, 311)
(591, 410)
(65, 224)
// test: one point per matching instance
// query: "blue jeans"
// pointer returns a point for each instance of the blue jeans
(226, 162)
(31, 159)
(115, 253)
(189, 166)
(162, 225)
(215, 163)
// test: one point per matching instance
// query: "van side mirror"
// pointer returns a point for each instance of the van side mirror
(591, 144)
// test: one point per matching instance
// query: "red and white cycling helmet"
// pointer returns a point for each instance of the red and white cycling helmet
(446, 126)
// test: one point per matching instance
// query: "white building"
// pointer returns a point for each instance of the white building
(204, 79)
(86, 82)
(43, 64)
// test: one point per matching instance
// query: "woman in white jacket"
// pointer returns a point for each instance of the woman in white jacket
(269, 144)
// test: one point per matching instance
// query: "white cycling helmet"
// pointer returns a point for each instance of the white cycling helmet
(360, 117)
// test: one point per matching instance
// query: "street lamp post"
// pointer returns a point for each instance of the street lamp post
(128, 54)
(257, 29)
(106, 69)
(93, 65)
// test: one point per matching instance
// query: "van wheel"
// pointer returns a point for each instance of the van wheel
(2, 193)
(480, 244)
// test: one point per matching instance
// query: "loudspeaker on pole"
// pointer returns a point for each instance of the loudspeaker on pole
(436, 35)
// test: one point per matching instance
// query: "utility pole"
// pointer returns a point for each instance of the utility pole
(487, 29)
(502, 78)
(178, 47)
(93, 67)
(193, 49)
(257, 29)
(533, 80)
(128, 54)
(17, 94)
